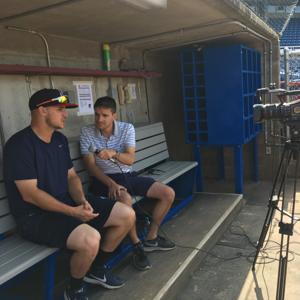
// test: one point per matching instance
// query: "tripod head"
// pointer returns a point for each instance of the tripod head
(286, 112)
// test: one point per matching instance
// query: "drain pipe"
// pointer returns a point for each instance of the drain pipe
(147, 51)
(44, 41)
(182, 31)
(244, 29)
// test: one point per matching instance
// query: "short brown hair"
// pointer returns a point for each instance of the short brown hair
(106, 102)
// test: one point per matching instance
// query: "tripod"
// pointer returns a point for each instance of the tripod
(291, 151)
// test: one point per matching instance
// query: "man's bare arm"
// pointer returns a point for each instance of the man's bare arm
(114, 189)
(127, 157)
(32, 194)
(75, 187)
(90, 164)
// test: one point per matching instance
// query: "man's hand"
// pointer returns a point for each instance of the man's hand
(107, 154)
(114, 190)
(84, 212)
(87, 205)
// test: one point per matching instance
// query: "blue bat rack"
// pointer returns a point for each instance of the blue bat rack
(219, 86)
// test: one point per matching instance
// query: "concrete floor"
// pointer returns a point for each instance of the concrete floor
(227, 273)
(230, 277)
(199, 225)
(219, 223)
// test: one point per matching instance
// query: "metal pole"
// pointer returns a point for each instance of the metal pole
(286, 59)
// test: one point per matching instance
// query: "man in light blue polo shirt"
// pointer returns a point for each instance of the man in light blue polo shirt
(108, 149)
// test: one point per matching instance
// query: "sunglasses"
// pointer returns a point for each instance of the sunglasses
(60, 99)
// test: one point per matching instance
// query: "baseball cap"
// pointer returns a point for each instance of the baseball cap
(49, 97)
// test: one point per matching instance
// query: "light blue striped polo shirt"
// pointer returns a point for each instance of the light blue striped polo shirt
(123, 137)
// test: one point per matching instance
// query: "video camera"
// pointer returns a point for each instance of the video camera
(286, 112)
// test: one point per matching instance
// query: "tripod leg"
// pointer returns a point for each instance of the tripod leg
(272, 204)
(286, 229)
(281, 279)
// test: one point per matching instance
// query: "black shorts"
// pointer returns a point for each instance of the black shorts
(53, 229)
(135, 185)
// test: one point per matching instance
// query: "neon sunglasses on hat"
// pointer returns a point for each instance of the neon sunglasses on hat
(60, 99)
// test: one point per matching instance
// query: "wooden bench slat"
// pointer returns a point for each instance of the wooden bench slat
(142, 144)
(143, 164)
(84, 176)
(148, 130)
(2, 190)
(78, 165)
(143, 154)
(74, 148)
(86, 187)
(7, 223)
(10, 243)
(1, 171)
(4, 207)
(169, 170)
(17, 249)
(25, 261)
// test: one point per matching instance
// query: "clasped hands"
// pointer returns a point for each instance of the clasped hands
(84, 211)
(107, 154)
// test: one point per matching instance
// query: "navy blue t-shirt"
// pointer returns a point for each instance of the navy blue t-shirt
(26, 156)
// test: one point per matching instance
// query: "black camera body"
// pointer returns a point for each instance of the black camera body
(286, 112)
(281, 111)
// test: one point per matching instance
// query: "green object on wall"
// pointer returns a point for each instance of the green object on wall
(106, 57)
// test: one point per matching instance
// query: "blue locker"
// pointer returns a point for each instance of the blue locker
(219, 86)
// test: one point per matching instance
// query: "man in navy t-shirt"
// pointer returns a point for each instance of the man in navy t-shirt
(47, 199)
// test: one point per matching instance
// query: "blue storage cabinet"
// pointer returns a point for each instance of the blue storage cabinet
(219, 86)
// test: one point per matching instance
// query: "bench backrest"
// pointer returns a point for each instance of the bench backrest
(7, 222)
(151, 148)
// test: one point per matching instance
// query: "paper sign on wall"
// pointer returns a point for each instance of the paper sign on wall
(85, 97)
(132, 90)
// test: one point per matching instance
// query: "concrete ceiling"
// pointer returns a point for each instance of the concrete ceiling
(116, 20)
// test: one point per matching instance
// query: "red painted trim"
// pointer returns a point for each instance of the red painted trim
(36, 70)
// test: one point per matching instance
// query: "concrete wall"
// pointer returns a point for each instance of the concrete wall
(159, 99)
(28, 49)
(165, 103)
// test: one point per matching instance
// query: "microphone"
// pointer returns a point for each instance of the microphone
(94, 150)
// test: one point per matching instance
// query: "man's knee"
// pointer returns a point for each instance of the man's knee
(129, 216)
(126, 214)
(84, 238)
(168, 194)
(125, 198)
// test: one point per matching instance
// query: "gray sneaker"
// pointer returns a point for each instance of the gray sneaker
(102, 277)
(139, 258)
(159, 243)
(79, 294)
